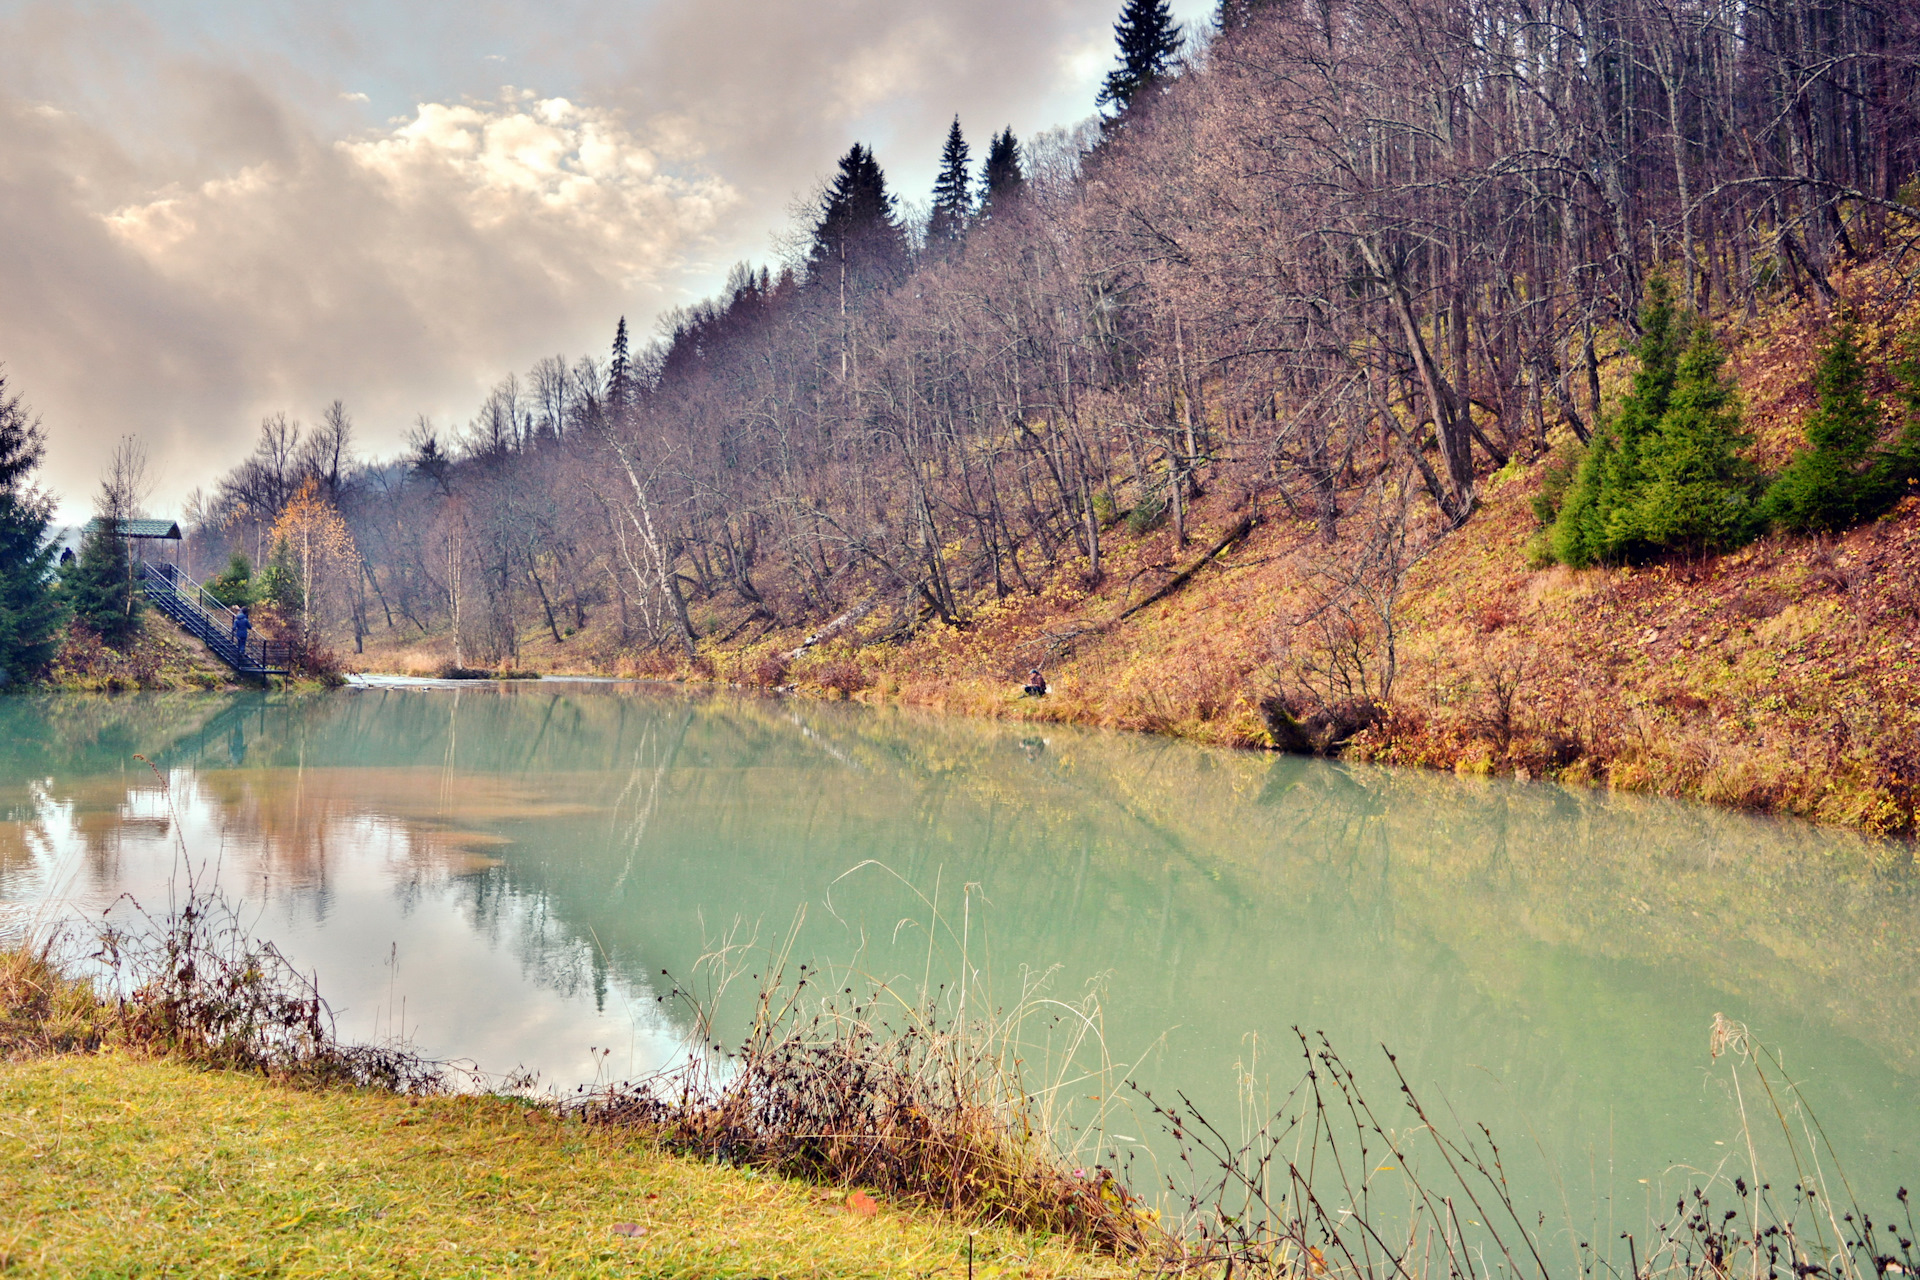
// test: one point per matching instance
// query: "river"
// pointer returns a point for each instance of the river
(504, 872)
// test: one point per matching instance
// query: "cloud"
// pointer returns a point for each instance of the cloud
(401, 269)
(199, 227)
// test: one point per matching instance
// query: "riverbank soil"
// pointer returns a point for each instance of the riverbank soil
(117, 1165)
(1783, 678)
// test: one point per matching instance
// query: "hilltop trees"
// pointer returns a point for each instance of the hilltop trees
(952, 192)
(31, 614)
(1357, 246)
(1149, 41)
(858, 241)
(1001, 176)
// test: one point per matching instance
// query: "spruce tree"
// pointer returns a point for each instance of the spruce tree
(1894, 472)
(1149, 42)
(1827, 486)
(858, 239)
(1002, 176)
(1595, 525)
(952, 192)
(1697, 492)
(31, 612)
(99, 585)
(233, 587)
(620, 369)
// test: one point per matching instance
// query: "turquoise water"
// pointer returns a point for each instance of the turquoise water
(503, 874)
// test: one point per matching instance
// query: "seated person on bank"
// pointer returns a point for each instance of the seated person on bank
(1036, 686)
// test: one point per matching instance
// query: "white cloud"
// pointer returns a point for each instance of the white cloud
(402, 269)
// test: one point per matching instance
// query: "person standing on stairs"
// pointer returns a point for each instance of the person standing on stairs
(241, 625)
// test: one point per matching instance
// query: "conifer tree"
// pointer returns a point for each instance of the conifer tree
(233, 586)
(952, 191)
(1895, 470)
(1594, 526)
(1827, 487)
(1697, 492)
(31, 613)
(1149, 42)
(858, 239)
(620, 369)
(99, 588)
(1002, 176)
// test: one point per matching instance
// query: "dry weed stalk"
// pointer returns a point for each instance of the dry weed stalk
(919, 1090)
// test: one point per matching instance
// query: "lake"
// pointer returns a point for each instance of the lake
(504, 872)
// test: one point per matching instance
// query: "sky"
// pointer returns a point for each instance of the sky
(213, 210)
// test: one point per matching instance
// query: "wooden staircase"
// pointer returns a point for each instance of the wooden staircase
(194, 610)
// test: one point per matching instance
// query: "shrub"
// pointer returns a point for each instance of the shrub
(844, 676)
(1146, 514)
(769, 672)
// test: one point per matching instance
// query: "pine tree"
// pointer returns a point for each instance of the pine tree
(31, 612)
(1698, 492)
(859, 239)
(1827, 487)
(1002, 176)
(1594, 525)
(233, 587)
(620, 369)
(99, 586)
(1149, 42)
(280, 581)
(1895, 470)
(952, 191)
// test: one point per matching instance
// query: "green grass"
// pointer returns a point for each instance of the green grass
(115, 1165)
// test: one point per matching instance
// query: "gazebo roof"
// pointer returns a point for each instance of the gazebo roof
(142, 528)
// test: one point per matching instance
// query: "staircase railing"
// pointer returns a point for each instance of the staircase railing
(204, 616)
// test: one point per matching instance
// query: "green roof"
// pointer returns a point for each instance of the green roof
(143, 528)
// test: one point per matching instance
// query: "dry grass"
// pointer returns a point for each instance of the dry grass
(159, 657)
(44, 1011)
(927, 1096)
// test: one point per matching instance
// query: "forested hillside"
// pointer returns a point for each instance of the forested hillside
(1371, 375)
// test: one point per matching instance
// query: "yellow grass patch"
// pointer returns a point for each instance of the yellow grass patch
(114, 1165)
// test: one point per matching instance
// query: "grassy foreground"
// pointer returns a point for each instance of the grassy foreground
(112, 1164)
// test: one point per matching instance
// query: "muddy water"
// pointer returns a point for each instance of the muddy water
(503, 874)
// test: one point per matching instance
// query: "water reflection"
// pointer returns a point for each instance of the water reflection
(533, 858)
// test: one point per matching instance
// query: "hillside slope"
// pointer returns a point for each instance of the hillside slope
(1784, 677)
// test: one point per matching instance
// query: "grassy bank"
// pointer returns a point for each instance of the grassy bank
(119, 1160)
(160, 657)
(112, 1164)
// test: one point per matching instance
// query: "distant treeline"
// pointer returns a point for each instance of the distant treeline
(1319, 249)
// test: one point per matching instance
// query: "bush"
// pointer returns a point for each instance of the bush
(1146, 514)
(233, 586)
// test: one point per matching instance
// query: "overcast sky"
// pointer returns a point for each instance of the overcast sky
(214, 209)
